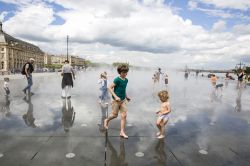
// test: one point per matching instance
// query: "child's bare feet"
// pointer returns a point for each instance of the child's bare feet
(105, 125)
(160, 136)
(123, 135)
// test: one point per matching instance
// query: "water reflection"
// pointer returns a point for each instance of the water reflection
(216, 94)
(238, 100)
(28, 117)
(117, 159)
(104, 112)
(5, 110)
(68, 115)
(160, 152)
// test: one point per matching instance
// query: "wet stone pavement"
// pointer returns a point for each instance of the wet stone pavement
(206, 127)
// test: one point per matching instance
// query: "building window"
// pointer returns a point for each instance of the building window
(2, 49)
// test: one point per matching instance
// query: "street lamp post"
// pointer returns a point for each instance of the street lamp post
(67, 47)
(240, 66)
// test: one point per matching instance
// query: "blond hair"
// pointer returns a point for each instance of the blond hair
(163, 95)
(103, 76)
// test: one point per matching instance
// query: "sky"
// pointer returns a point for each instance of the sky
(206, 34)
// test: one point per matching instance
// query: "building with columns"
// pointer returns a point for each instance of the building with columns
(14, 53)
(48, 59)
(75, 61)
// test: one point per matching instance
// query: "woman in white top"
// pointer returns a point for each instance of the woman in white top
(67, 80)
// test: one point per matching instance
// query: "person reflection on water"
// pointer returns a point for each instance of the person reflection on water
(160, 152)
(28, 117)
(5, 110)
(67, 81)
(238, 100)
(104, 111)
(116, 160)
(68, 115)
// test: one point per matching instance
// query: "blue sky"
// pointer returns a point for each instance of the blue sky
(154, 30)
(206, 20)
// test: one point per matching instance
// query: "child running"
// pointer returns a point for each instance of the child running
(6, 86)
(213, 79)
(104, 89)
(120, 98)
(163, 113)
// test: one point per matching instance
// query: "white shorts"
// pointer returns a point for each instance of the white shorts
(164, 117)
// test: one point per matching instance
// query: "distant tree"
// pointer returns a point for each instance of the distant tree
(247, 70)
(87, 63)
(115, 64)
(53, 66)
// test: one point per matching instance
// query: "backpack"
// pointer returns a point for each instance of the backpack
(23, 69)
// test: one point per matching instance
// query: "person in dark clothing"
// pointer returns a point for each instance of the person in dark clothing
(27, 71)
(67, 80)
(240, 76)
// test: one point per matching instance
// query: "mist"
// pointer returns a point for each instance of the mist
(196, 111)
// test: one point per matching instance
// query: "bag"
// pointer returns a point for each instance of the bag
(23, 69)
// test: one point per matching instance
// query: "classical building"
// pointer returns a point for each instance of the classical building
(75, 61)
(14, 53)
(48, 59)
(57, 59)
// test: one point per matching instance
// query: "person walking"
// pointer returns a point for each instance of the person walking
(67, 80)
(27, 70)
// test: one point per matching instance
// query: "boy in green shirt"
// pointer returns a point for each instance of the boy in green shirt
(120, 98)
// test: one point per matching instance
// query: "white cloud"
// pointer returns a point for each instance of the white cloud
(192, 5)
(146, 33)
(3, 15)
(242, 29)
(219, 26)
(31, 22)
(229, 4)
(215, 8)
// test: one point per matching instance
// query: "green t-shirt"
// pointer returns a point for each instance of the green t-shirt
(120, 87)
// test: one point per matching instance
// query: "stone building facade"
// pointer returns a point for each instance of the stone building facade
(14, 53)
(48, 59)
(75, 61)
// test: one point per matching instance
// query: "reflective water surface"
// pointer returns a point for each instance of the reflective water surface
(207, 126)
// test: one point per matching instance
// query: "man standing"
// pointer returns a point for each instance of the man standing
(27, 71)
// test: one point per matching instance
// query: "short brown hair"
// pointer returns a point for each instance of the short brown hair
(122, 68)
(163, 95)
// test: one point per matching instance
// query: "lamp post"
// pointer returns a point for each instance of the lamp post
(67, 47)
(240, 66)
